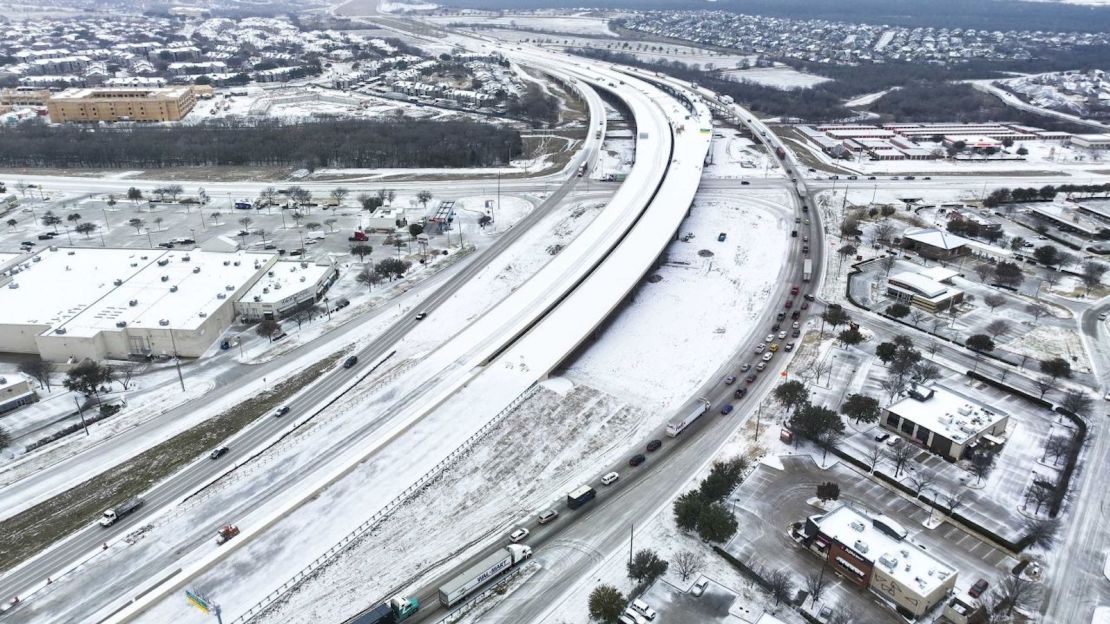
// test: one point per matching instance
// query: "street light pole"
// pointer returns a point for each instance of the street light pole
(81, 413)
(177, 361)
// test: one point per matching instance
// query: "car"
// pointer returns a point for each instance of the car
(751, 378)
(548, 516)
(699, 588)
(797, 219)
(761, 367)
(297, 252)
(280, 336)
(782, 334)
(794, 290)
(166, 245)
(870, 177)
(978, 588)
(45, 236)
(1102, 317)
(805, 249)
(518, 535)
(911, 177)
(852, 177)
(745, 367)
(634, 615)
(721, 237)
(774, 346)
(767, 356)
(805, 305)
(643, 609)
(636, 460)
(610, 478)
(778, 317)
(882, 437)
(926, 178)
(281, 411)
(789, 304)
(218, 452)
(626, 619)
(421, 316)
(269, 246)
(655, 444)
(893, 177)
(759, 348)
(796, 325)
(731, 379)
(776, 326)
(769, 338)
(789, 347)
(809, 297)
(726, 409)
(805, 239)
(795, 333)
(744, 182)
(351, 361)
(740, 393)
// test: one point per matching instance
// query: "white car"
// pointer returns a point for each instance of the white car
(782, 335)
(610, 478)
(699, 587)
(518, 535)
(767, 356)
(634, 615)
(759, 348)
(769, 338)
(643, 609)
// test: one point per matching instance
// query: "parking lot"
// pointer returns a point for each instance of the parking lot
(770, 500)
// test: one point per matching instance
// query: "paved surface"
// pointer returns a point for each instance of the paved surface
(770, 500)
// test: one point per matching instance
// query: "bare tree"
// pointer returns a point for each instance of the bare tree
(1015, 592)
(899, 454)
(921, 480)
(688, 563)
(1036, 310)
(1044, 384)
(953, 500)
(1042, 532)
(780, 585)
(1040, 494)
(917, 315)
(997, 327)
(816, 584)
(923, 372)
(1057, 446)
(892, 386)
(980, 463)
(994, 300)
(1076, 402)
(874, 454)
(983, 270)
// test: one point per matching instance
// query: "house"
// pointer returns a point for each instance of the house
(934, 243)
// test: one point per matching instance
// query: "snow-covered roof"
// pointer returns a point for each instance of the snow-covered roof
(285, 279)
(938, 273)
(909, 565)
(947, 413)
(934, 237)
(84, 291)
(919, 284)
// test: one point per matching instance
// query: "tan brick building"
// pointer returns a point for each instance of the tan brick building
(121, 104)
(22, 98)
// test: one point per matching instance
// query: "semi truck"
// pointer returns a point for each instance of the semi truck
(358, 236)
(781, 153)
(454, 591)
(687, 416)
(580, 496)
(396, 609)
(807, 270)
(110, 516)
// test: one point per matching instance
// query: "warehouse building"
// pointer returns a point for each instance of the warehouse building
(871, 551)
(945, 422)
(70, 304)
(121, 104)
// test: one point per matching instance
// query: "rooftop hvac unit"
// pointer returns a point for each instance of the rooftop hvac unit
(164, 322)
(860, 547)
(857, 526)
(134, 264)
(36, 259)
(13, 285)
(221, 296)
(185, 258)
(292, 269)
(229, 288)
(53, 248)
(71, 253)
(888, 561)
(304, 265)
(203, 315)
(196, 269)
(270, 273)
(277, 286)
(257, 298)
(133, 302)
(165, 278)
(60, 330)
(121, 323)
(163, 262)
(964, 410)
(265, 290)
(173, 288)
(227, 262)
(142, 257)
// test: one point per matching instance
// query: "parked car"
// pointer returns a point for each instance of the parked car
(654, 445)
(767, 356)
(759, 348)
(882, 437)
(643, 609)
(789, 347)
(721, 237)
(218, 452)
(636, 460)
(760, 367)
(548, 516)
(699, 587)
(610, 478)
(978, 588)
(518, 535)
(809, 297)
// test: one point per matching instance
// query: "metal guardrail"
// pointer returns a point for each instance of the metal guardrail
(415, 488)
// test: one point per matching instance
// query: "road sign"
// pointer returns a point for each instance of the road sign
(200, 602)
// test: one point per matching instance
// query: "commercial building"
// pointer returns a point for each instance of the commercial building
(70, 304)
(945, 422)
(15, 392)
(1067, 218)
(923, 292)
(871, 551)
(121, 104)
(286, 287)
(934, 243)
(1091, 141)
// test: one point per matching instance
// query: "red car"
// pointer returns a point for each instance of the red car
(789, 304)
(794, 290)
(978, 588)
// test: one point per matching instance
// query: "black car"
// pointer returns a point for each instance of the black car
(218, 453)
(46, 236)
(281, 411)
(740, 392)
(810, 298)
(721, 237)
(654, 445)
(637, 459)
(351, 361)
(166, 245)
(882, 437)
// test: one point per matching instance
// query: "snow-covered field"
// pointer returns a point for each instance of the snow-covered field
(574, 24)
(680, 329)
(734, 156)
(778, 77)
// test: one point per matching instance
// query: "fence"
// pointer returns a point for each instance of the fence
(411, 492)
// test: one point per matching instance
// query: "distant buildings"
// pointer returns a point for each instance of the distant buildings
(945, 422)
(872, 551)
(1091, 141)
(901, 141)
(121, 104)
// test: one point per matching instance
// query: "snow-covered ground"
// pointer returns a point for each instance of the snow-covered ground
(734, 156)
(575, 24)
(680, 329)
(779, 77)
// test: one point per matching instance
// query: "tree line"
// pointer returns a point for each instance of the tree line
(331, 143)
(943, 101)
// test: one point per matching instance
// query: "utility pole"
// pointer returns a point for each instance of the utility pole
(631, 539)
(81, 413)
(177, 361)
